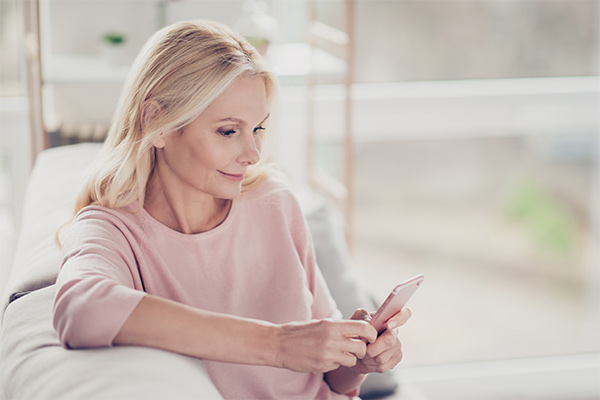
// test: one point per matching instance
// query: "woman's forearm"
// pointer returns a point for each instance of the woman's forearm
(167, 325)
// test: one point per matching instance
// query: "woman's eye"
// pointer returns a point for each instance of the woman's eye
(260, 128)
(227, 132)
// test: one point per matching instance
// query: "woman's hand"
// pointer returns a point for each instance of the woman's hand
(323, 345)
(386, 352)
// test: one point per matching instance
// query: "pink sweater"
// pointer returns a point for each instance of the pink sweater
(259, 263)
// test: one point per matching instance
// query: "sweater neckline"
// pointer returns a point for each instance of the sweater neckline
(156, 224)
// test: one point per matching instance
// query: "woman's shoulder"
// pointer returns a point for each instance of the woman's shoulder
(124, 218)
(272, 190)
(273, 200)
(94, 223)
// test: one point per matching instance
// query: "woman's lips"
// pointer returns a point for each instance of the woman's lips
(233, 177)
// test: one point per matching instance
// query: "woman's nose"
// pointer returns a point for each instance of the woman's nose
(250, 153)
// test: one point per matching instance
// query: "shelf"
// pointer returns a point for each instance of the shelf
(74, 69)
(293, 60)
(290, 62)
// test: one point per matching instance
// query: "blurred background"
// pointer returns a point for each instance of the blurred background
(463, 136)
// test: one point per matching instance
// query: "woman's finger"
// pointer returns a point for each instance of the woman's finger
(348, 360)
(385, 360)
(358, 329)
(357, 347)
(387, 340)
(398, 319)
(385, 365)
(361, 315)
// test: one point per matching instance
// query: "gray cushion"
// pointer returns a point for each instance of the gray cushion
(344, 282)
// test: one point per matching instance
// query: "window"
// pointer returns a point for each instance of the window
(475, 39)
(460, 175)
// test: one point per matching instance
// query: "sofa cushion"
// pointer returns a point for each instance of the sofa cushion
(48, 204)
(35, 365)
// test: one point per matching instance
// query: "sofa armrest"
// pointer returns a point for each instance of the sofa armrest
(35, 365)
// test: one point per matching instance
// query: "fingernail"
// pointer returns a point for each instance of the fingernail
(392, 324)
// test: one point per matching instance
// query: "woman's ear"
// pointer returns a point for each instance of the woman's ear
(159, 142)
(150, 112)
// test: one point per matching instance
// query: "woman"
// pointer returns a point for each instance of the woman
(183, 241)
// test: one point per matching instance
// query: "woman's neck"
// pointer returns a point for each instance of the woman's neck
(187, 213)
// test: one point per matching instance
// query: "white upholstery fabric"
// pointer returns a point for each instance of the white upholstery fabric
(48, 204)
(36, 366)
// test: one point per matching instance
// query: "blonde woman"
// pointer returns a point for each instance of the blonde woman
(183, 241)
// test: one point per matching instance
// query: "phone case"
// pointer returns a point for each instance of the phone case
(395, 302)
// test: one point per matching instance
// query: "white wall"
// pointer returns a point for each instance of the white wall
(15, 149)
(15, 144)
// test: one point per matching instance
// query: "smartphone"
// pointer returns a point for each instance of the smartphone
(395, 302)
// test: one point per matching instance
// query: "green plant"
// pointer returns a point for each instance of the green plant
(113, 38)
(549, 221)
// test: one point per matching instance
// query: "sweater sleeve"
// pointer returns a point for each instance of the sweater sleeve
(96, 286)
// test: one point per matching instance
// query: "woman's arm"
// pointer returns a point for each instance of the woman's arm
(311, 346)
(164, 324)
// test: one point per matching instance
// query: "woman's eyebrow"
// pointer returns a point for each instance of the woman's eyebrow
(240, 121)
(232, 119)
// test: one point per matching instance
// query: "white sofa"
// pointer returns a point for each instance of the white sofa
(32, 361)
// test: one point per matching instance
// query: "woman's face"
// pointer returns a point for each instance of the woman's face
(211, 155)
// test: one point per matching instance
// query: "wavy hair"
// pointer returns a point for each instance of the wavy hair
(182, 69)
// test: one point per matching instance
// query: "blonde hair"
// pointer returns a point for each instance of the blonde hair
(181, 69)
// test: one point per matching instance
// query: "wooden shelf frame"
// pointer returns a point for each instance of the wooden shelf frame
(33, 76)
(340, 43)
